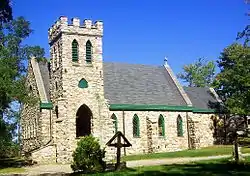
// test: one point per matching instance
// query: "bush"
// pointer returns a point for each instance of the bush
(88, 156)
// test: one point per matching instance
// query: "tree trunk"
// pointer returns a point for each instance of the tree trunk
(236, 151)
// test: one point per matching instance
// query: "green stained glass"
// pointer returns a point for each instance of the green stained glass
(179, 126)
(83, 83)
(136, 126)
(74, 51)
(88, 52)
(161, 126)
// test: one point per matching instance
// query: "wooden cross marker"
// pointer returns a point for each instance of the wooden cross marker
(118, 145)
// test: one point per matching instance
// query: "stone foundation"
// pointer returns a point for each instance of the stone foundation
(45, 155)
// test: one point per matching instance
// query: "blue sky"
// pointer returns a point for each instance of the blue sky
(137, 31)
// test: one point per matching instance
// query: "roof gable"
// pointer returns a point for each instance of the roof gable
(201, 97)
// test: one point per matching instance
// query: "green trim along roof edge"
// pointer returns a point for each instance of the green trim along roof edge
(196, 110)
(146, 107)
(48, 105)
(131, 107)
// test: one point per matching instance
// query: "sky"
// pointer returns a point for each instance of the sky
(145, 31)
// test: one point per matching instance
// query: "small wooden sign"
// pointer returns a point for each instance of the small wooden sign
(118, 145)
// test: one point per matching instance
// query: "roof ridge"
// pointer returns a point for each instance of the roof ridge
(126, 63)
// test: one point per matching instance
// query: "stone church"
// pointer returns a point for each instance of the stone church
(80, 94)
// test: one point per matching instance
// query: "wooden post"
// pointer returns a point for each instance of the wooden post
(123, 122)
(118, 157)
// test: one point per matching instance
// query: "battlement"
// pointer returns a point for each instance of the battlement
(86, 28)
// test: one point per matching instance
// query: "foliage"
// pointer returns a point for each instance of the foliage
(233, 81)
(233, 85)
(245, 34)
(5, 11)
(199, 74)
(88, 156)
(14, 57)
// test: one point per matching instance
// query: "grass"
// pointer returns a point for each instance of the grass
(12, 170)
(207, 151)
(220, 167)
(11, 165)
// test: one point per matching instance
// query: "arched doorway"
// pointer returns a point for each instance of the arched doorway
(83, 121)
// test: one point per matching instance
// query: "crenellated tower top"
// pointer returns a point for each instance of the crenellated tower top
(63, 26)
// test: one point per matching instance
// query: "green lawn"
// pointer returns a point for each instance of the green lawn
(11, 165)
(11, 170)
(219, 167)
(208, 151)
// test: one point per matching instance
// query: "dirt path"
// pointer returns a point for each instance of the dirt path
(51, 169)
(56, 168)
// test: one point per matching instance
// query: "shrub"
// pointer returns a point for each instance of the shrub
(88, 156)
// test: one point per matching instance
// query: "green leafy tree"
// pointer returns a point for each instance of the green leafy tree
(233, 85)
(199, 74)
(233, 81)
(13, 64)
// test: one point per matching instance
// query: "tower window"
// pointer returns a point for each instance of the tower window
(88, 52)
(74, 51)
(161, 126)
(179, 126)
(136, 126)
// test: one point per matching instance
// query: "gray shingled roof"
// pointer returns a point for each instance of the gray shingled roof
(201, 97)
(139, 84)
(45, 76)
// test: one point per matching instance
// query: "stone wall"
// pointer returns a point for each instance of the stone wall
(35, 123)
(30, 117)
(142, 144)
(203, 129)
(45, 155)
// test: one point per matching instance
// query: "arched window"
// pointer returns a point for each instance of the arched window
(136, 126)
(83, 83)
(161, 126)
(88, 52)
(179, 126)
(114, 118)
(74, 51)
